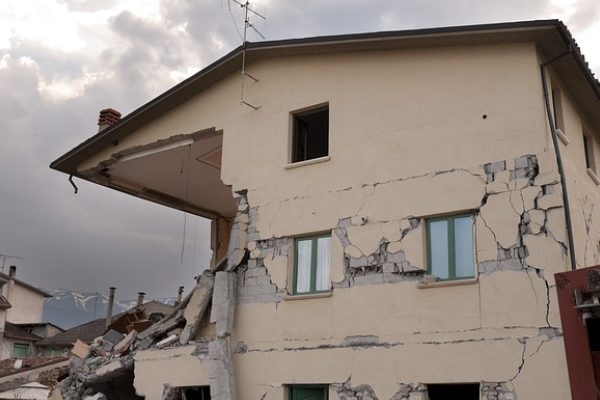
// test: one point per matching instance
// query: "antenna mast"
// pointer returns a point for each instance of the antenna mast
(5, 256)
(247, 24)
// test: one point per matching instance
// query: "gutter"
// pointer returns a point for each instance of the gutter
(561, 171)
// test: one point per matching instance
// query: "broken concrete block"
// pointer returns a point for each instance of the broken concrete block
(124, 344)
(80, 349)
(220, 370)
(223, 302)
(108, 368)
(112, 337)
(167, 341)
(197, 306)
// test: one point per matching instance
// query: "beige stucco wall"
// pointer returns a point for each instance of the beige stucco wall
(27, 305)
(582, 190)
(413, 134)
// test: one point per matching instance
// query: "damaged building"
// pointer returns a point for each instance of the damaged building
(388, 213)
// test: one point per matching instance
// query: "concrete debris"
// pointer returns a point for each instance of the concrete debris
(197, 306)
(80, 349)
(110, 358)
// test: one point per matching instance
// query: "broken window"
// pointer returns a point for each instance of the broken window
(306, 392)
(311, 264)
(310, 138)
(462, 391)
(450, 247)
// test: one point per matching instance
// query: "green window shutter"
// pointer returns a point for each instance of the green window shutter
(20, 349)
(309, 392)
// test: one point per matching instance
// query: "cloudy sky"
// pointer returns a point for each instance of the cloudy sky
(61, 61)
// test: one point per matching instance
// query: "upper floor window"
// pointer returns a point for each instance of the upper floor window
(450, 247)
(310, 137)
(311, 264)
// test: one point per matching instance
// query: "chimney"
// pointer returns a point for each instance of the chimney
(140, 298)
(10, 290)
(111, 300)
(179, 293)
(107, 117)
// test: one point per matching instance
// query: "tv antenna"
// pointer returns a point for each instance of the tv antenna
(4, 257)
(247, 24)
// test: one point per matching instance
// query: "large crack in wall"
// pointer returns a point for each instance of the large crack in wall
(519, 229)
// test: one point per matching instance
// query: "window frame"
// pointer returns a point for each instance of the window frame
(21, 346)
(295, 156)
(313, 265)
(293, 391)
(451, 243)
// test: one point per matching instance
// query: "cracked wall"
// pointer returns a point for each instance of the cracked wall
(413, 154)
(383, 310)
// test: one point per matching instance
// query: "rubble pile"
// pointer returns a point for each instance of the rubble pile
(112, 354)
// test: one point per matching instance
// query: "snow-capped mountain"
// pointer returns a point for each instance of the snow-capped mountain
(68, 308)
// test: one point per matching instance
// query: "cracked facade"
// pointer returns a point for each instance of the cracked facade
(411, 142)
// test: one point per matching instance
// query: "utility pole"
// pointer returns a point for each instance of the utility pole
(4, 257)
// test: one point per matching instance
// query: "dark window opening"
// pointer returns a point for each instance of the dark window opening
(593, 329)
(196, 393)
(311, 135)
(557, 109)
(588, 147)
(462, 391)
(309, 392)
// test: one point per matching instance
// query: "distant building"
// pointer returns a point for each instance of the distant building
(21, 303)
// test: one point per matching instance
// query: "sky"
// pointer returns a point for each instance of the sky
(62, 61)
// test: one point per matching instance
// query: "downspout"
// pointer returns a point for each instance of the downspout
(561, 171)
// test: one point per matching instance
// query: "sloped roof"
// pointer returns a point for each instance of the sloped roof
(4, 304)
(12, 331)
(6, 278)
(85, 332)
(551, 36)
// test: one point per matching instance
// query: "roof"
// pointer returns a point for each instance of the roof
(7, 367)
(551, 37)
(6, 278)
(4, 304)
(31, 325)
(12, 331)
(85, 332)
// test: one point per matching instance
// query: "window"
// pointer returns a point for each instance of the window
(311, 264)
(312, 392)
(310, 137)
(450, 247)
(557, 109)
(588, 147)
(20, 350)
(463, 391)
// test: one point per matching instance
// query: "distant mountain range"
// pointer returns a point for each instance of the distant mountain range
(68, 308)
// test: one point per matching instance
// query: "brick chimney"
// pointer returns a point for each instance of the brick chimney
(107, 117)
